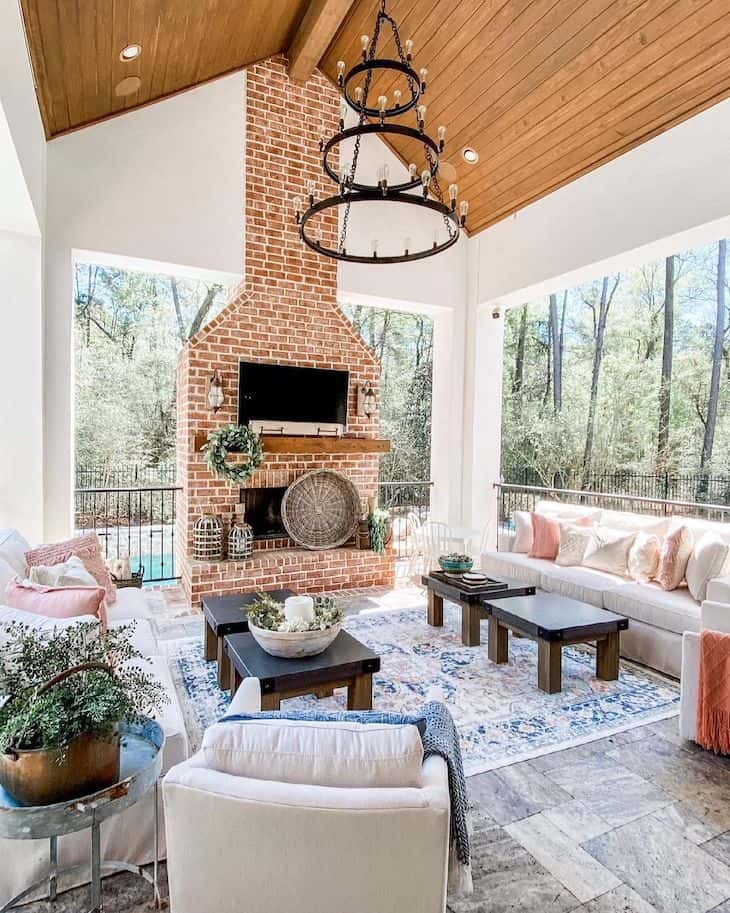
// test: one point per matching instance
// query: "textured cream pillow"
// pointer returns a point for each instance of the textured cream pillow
(644, 557)
(523, 532)
(71, 572)
(674, 556)
(707, 560)
(342, 754)
(608, 550)
(574, 541)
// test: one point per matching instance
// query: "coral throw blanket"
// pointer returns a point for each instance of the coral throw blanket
(713, 702)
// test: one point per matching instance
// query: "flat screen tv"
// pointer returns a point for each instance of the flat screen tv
(281, 393)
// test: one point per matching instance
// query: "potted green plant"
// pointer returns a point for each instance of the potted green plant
(380, 531)
(64, 697)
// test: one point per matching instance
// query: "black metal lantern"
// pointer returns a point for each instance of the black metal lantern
(420, 189)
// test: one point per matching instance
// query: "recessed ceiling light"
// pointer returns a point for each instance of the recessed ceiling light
(127, 86)
(130, 52)
(471, 156)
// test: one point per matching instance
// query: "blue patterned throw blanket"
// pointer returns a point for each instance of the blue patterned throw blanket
(439, 737)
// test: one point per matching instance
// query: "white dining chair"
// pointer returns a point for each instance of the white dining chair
(435, 540)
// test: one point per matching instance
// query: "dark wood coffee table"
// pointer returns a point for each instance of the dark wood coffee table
(440, 586)
(346, 663)
(555, 621)
(227, 615)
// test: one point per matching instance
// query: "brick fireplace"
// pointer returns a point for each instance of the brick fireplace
(284, 312)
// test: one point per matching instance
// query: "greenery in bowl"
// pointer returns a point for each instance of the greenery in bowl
(89, 703)
(268, 614)
(456, 562)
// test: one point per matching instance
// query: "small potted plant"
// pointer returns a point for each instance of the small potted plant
(380, 529)
(64, 697)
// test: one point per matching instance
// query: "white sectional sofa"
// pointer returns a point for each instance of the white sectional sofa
(128, 837)
(658, 618)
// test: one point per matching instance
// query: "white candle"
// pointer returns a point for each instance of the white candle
(299, 607)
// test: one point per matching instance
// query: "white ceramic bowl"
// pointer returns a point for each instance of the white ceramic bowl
(294, 644)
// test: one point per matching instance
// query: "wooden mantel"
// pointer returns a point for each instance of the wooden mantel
(275, 443)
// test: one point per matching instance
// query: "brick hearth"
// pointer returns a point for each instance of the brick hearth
(285, 311)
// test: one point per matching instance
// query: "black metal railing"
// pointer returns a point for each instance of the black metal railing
(667, 486)
(138, 523)
(403, 499)
(128, 475)
(511, 498)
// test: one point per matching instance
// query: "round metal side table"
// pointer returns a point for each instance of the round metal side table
(141, 765)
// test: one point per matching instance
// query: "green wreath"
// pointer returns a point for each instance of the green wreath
(236, 439)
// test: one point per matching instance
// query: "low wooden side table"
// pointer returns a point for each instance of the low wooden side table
(441, 586)
(346, 663)
(556, 621)
(227, 615)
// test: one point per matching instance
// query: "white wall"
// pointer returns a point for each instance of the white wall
(21, 417)
(17, 98)
(161, 184)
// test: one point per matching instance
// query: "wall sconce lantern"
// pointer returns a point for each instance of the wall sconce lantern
(216, 397)
(367, 401)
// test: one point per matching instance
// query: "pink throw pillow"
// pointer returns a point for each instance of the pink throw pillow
(546, 535)
(86, 548)
(674, 556)
(57, 602)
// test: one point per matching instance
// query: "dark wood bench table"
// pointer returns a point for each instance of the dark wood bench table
(470, 598)
(555, 621)
(346, 663)
(227, 615)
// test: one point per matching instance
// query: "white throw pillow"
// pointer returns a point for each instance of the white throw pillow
(608, 550)
(13, 548)
(347, 755)
(523, 532)
(574, 541)
(707, 561)
(7, 573)
(71, 572)
(644, 557)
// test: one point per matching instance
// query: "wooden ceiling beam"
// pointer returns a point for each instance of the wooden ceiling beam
(316, 31)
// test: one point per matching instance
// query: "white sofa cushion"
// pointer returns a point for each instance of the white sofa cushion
(708, 560)
(718, 590)
(644, 557)
(608, 550)
(12, 549)
(339, 754)
(143, 637)
(619, 519)
(581, 583)
(672, 610)
(522, 541)
(40, 623)
(7, 573)
(514, 566)
(130, 604)
(559, 511)
(698, 527)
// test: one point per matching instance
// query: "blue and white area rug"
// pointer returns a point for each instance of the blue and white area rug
(500, 713)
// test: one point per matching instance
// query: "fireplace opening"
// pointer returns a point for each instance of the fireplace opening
(263, 511)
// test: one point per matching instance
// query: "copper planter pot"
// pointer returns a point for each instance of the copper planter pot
(42, 776)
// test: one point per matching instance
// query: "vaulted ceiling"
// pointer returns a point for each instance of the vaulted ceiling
(543, 90)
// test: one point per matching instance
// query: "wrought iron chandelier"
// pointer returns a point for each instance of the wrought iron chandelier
(377, 119)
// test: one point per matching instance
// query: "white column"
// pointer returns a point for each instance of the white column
(447, 415)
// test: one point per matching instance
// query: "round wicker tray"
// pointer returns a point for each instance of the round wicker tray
(321, 509)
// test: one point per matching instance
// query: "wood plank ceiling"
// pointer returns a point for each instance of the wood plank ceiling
(543, 90)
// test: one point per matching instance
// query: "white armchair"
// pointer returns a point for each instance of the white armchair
(235, 843)
(714, 616)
